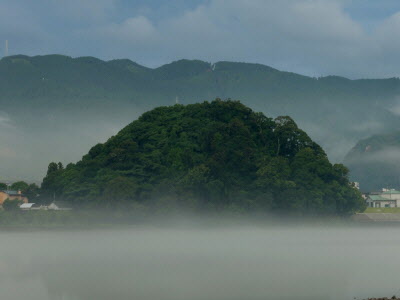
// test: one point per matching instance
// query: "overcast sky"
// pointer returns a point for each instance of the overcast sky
(359, 38)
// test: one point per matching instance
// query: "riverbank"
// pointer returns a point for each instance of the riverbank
(377, 217)
(393, 210)
(87, 219)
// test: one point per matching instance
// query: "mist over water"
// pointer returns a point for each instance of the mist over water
(176, 263)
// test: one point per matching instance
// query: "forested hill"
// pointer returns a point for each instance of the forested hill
(375, 162)
(209, 156)
(54, 79)
(56, 106)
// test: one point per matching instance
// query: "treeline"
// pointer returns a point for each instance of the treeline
(213, 156)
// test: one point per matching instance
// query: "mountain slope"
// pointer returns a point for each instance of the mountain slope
(375, 162)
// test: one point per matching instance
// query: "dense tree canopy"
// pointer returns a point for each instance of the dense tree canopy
(210, 156)
(11, 205)
(19, 186)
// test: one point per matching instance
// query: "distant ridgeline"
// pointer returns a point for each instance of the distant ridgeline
(217, 155)
(70, 94)
(375, 162)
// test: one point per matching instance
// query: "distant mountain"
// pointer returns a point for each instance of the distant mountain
(56, 106)
(217, 155)
(375, 162)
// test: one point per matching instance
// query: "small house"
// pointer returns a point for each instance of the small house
(386, 198)
(379, 201)
(12, 195)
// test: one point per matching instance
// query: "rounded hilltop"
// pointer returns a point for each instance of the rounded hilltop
(217, 155)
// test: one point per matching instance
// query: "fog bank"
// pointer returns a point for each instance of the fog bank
(242, 262)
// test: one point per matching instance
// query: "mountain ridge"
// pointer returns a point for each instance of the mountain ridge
(259, 66)
(87, 94)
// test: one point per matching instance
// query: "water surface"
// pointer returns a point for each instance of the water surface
(238, 262)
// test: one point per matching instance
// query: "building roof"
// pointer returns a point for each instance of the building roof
(379, 198)
(391, 192)
(11, 193)
(26, 205)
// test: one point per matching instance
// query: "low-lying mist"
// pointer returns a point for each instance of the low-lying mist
(189, 262)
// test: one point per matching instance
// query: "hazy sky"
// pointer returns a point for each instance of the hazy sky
(359, 38)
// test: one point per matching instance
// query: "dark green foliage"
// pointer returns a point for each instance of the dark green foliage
(11, 205)
(211, 156)
(53, 167)
(48, 188)
(19, 186)
(3, 186)
(32, 192)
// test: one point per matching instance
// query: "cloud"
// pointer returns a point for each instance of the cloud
(313, 37)
(9, 134)
(5, 121)
(388, 155)
(132, 30)
(88, 9)
(17, 21)
(368, 126)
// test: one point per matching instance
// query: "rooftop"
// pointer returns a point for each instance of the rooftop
(378, 198)
(391, 192)
(26, 205)
(11, 193)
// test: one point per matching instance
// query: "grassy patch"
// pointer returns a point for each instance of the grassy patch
(383, 210)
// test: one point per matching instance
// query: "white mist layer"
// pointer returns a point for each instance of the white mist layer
(190, 264)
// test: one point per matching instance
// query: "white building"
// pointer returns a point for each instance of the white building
(386, 198)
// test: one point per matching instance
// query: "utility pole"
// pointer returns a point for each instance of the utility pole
(6, 49)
